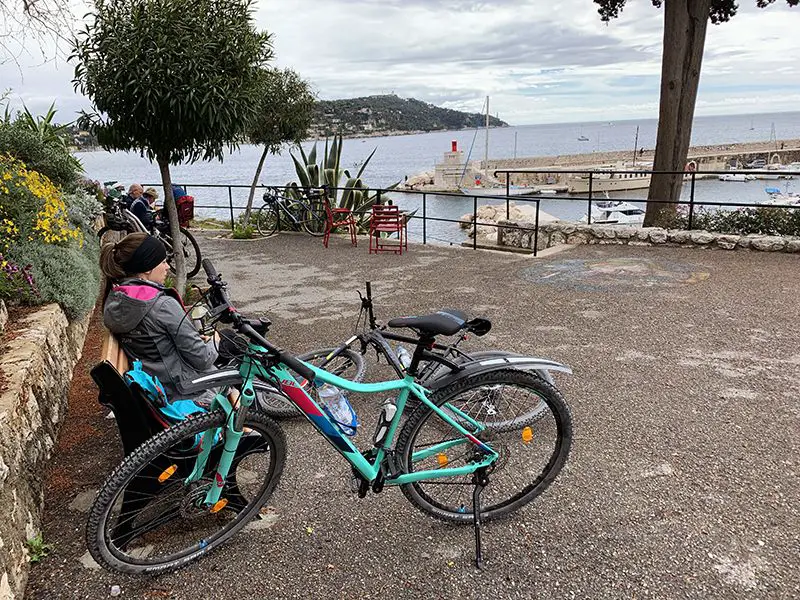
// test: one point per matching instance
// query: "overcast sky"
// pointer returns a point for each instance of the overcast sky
(540, 61)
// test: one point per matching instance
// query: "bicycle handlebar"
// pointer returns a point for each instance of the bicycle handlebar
(245, 325)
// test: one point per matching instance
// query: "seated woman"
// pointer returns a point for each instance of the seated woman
(149, 319)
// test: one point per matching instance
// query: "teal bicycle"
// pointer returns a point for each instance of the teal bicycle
(193, 486)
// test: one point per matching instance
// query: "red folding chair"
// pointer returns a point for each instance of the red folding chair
(338, 217)
(387, 219)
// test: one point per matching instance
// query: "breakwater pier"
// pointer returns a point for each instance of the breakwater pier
(453, 173)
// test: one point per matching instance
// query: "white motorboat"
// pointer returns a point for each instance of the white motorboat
(610, 181)
(619, 212)
(736, 177)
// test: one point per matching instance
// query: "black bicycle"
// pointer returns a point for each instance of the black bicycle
(120, 219)
(281, 213)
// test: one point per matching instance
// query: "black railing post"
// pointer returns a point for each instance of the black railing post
(589, 213)
(536, 231)
(691, 203)
(424, 219)
(378, 201)
(475, 223)
(230, 204)
(508, 192)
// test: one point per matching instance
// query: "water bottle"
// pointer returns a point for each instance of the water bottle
(335, 404)
(403, 356)
(388, 412)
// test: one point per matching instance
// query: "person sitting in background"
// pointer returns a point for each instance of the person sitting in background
(149, 319)
(140, 205)
(151, 195)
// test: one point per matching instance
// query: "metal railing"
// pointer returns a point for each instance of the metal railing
(535, 200)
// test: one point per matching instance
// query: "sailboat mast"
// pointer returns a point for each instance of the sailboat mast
(486, 149)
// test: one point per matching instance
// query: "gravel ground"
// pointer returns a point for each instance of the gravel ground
(683, 480)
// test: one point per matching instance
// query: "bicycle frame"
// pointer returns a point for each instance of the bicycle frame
(406, 386)
(279, 202)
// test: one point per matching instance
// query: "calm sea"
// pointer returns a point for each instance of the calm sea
(398, 156)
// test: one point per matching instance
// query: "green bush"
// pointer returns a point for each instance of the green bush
(762, 220)
(69, 275)
(52, 160)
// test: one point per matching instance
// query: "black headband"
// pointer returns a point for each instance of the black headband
(149, 254)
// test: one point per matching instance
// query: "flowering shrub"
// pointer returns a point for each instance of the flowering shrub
(17, 282)
(31, 205)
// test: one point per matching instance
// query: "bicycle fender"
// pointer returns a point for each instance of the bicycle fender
(499, 363)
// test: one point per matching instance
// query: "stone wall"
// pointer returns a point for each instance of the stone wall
(36, 369)
(521, 235)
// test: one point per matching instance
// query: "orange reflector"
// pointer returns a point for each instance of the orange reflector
(219, 505)
(168, 472)
(527, 435)
(442, 459)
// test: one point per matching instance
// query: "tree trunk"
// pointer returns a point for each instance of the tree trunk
(249, 207)
(174, 226)
(685, 24)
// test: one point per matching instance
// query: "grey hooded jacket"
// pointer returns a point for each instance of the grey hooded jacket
(152, 326)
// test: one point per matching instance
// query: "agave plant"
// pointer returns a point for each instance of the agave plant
(354, 194)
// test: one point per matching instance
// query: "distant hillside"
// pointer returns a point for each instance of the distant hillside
(375, 115)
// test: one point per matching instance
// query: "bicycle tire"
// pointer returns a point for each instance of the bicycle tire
(267, 220)
(198, 258)
(192, 259)
(173, 447)
(450, 499)
(313, 217)
(349, 364)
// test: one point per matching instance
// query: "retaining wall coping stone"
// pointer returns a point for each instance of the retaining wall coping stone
(558, 232)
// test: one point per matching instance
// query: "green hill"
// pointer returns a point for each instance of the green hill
(375, 115)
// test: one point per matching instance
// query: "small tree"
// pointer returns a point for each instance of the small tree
(685, 24)
(285, 111)
(176, 80)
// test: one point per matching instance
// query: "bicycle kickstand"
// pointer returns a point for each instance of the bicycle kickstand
(480, 480)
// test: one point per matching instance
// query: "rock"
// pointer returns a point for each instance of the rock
(769, 243)
(701, 237)
(607, 233)
(557, 238)
(679, 236)
(625, 233)
(745, 241)
(658, 235)
(83, 501)
(793, 246)
(3, 317)
(727, 242)
(88, 562)
(643, 234)
(578, 238)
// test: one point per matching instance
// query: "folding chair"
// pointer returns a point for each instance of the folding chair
(338, 217)
(387, 219)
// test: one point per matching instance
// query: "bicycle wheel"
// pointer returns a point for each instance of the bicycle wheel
(312, 216)
(348, 364)
(267, 220)
(190, 249)
(146, 520)
(530, 456)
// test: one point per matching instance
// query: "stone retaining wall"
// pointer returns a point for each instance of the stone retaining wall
(521, 235)
(37, 369)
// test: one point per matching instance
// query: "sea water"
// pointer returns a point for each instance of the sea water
(399, 156)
